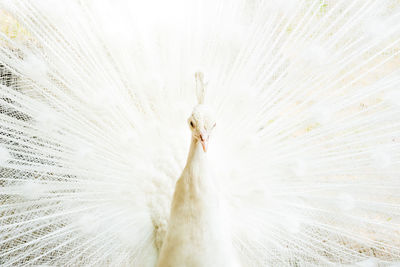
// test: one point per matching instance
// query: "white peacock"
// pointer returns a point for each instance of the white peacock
(303, 165)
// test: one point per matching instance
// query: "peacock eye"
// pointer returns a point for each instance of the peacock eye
(191, 124)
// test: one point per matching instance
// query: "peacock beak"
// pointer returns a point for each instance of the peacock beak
(204, 141)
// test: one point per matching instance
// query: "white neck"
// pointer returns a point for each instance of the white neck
(196, 164)
(196, 152)
(197, 232)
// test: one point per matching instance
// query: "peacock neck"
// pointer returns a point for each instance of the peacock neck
(196, 153)
(196, 165)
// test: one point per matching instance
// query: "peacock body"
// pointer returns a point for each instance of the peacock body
(94, 102)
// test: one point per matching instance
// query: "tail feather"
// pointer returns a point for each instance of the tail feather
(94, 97)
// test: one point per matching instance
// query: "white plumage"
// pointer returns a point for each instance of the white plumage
(94, 102)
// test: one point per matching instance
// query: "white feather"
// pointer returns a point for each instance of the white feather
(94, 101)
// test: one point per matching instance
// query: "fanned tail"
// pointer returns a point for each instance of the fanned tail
(94, 97)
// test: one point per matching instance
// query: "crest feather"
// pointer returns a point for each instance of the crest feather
(200, 87)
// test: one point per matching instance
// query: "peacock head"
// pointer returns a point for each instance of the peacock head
(202, 123)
